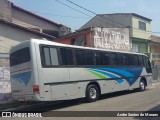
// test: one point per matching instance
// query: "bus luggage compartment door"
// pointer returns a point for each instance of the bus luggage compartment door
(60, 84)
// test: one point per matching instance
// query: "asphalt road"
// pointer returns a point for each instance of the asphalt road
(123, 101)
(148, 100)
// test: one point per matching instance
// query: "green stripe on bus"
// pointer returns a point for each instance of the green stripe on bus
(97, 74)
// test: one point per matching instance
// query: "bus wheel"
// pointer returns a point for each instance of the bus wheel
(92, 93)
(142, 85)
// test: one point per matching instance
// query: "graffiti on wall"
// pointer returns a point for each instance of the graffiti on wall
(4, 73)
(112, 38)
(5, 84)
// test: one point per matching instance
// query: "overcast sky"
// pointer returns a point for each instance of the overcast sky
(62, 14)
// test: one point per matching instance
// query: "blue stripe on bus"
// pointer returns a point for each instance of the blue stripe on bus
(133, 73)
(123, 72)
(107, 74)
(22, 78)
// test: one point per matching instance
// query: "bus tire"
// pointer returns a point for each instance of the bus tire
(92, 93)
(142, 86)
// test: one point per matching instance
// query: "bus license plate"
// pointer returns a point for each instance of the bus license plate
(21, 99)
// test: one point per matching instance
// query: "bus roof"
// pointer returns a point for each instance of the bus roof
(46, 42)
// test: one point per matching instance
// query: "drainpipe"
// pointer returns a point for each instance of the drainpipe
(149, 47)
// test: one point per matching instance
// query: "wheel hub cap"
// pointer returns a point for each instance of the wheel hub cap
(93, 93)
(142, 85)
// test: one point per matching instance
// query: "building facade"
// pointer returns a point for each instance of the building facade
(18, 25)
(97, 37)
(139, 27)
(155, 49)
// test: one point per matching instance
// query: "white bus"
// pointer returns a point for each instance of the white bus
(42, 70)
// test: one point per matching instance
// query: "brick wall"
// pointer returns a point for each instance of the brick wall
(68, 40)
(5, 10)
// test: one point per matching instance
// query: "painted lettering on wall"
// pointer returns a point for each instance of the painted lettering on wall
(5, 85)
(113, 39)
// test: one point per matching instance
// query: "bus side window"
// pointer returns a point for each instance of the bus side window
(140, 60)
(120, 59)
(147, 64)
(98, 58)
(106, 60)
(47, 59)
(66, 56)
(50, 56)
(136, 61)
(126, 59)
(88, 57)
(131, 60)
(113, 59)
(70, 57)
(54, 56)
(63, 56)
(80, 57)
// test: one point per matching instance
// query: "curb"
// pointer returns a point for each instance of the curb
(30, 107)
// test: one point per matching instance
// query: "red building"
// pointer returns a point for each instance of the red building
(106, 38)
(80, 38)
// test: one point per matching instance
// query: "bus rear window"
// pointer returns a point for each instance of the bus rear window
(20, 56)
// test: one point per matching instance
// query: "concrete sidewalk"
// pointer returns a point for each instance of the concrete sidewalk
(155, 84)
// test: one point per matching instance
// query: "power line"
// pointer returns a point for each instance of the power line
(61, 15)
(144, 32)
(104, 17)
(90, 15)
(81, 7)
(73, 8)
(82, 12)
(93, 12)
(77, 10)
